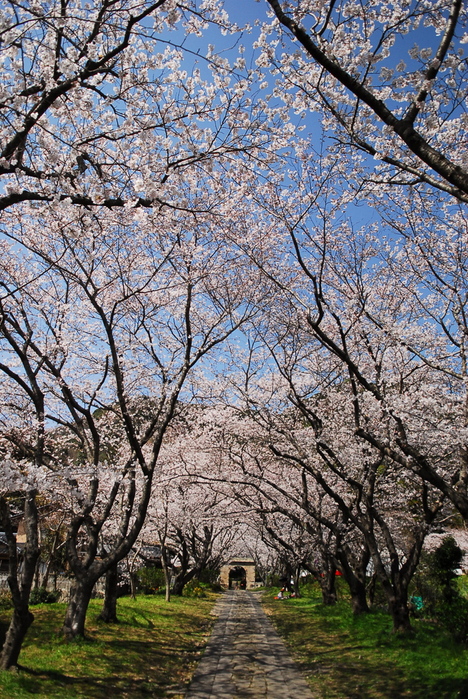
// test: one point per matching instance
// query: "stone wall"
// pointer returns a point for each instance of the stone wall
(61, 583)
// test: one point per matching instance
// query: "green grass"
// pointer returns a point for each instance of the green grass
(151, 652)
(359, 658)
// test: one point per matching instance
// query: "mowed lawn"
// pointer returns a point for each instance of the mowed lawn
(151, 652)
(359, 658)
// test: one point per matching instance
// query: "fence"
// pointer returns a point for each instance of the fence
(59, 582)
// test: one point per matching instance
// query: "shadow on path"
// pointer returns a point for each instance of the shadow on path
(245, 658)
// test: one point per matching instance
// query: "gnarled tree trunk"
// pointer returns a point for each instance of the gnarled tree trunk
(109, 608)
(398, 608)
(20, 586)
(181, 580)
(358, 597)
(19, 625)
(353, 569)
(75, 617)
(328, 585)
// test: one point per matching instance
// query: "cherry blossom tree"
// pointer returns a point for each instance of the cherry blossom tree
(157, 210)
(299, 426)
(18, 499)
(428, 265)
(105, 318)
(387, 81)
(99, 107)
(296, 520)
(381, 389)
(20, 576)
(297, 550)
(197, 523)
(384, 313)
(391, 510)
(372, 509)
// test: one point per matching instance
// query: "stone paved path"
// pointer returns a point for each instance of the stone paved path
(245, 658)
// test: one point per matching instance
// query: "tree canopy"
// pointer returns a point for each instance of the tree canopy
(233, 284)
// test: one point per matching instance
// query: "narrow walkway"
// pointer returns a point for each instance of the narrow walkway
(245, 658)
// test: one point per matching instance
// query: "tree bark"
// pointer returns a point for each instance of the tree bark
(354, 570)
(19, 625)
(395, 588)
(167, 571)
(185, 574)
(371, 589)
(297, 581)
(328, 585)
(358, 598)
(133, 584)
(51, 560)
(168, 591)
(20, 589)
(75, 617)
(109, 608)
(180, 582)
(398, 607)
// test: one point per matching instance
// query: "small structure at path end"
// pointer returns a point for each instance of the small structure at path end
(238, 574)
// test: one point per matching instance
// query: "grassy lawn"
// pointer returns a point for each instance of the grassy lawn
(151, 652)
(347, 658)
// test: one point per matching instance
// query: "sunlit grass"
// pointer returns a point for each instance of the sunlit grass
(344, 657)
(152, 651)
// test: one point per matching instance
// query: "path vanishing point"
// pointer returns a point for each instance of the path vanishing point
(245, 658)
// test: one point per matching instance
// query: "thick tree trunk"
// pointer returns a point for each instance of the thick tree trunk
(75, 617)
(181, 580)
(358, 598)
(357, 588)
(20, 585)
(328, 585)
(398, 608)
(178, 586)
(353, 569)
(19, 624)
(371, 589)
(109, 608)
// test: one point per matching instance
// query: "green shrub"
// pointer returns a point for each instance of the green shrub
(453, 615)
(151, 580)
(195, 589)
(274, 581)
(462, 585)
(42, 596)
(209, 576)
(437, 583)
(216, 587)
(5, 600)
(445, 561)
